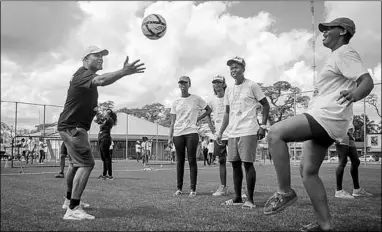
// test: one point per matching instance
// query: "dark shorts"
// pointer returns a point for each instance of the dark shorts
(242, 149)
(319, 134)
(221, 151)
(78, 147)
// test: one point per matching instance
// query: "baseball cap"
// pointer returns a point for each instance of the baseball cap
(346, 23)
(218, 78)
(236, 59)
(184, 78)
(93, 50)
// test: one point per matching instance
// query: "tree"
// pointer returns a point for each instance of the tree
(105, 105)
(155, 112)
(358, 122)
(372, 99)
(283, 90)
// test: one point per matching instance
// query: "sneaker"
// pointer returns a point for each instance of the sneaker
(77, 214)
(102, 177)
(192, 194)
(343, 194)
(60, 175)
(222, 191)
(312, 227)
(67, 203)
(109, 178)
(279, 202)
(361, 193)
(178, 192)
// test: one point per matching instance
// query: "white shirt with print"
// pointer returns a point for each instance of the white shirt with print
(340, 72)
(211, 147)
(243, 100)
(218, 111)
(186, 111)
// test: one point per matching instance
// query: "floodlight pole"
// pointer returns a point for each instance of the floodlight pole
(364, 131)
(127, 134)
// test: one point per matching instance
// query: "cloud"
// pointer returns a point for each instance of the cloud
(30, 31)
(200, 38)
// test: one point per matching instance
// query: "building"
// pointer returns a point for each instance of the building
(129, 130)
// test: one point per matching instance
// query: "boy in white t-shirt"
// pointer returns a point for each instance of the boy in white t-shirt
(184, 132)
(220, 150)
(342, 81)
(241, 101)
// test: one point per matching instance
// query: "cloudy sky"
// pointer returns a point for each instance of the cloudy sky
(42, 42)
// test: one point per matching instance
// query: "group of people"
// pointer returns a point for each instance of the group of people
(208, 151)
(143, 150)
(32, 150)
(233, 119)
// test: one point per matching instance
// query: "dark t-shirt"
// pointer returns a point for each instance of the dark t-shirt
(80, 102)
(104, 129)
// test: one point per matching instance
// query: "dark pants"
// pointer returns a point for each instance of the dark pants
(42, 156)
(343, 152)
(189, 141)
(104, 146)
(205, 156)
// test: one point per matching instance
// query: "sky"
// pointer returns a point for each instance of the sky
(42, 44)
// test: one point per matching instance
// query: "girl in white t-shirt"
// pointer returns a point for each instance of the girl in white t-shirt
(342, 81)
(184, 131)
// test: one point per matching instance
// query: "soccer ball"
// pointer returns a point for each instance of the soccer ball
(154, 26)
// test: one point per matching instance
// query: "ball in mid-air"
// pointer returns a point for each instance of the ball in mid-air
(154, 26)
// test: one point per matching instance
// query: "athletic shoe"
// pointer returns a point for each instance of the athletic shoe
(60, 175)
(312, 227)
(77, 214)
(102, 177)
(279, 202)
(178, 192)
(109, 178)
(67, 203)
(192, 194)
(361, 193)
(222, 191)
(343, 194)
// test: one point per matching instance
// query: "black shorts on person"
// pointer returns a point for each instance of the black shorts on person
(319, 134)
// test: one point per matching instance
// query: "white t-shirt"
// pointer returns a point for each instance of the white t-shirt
(186, 111)
(211, 147)
(218, 111)
(243, 100)
(137, 147)
(41, 145)
(340, 72)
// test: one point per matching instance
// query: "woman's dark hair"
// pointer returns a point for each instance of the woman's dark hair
(113, 116)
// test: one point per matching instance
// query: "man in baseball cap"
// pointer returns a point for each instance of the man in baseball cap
(94, 50)
(237, 60)
(345, 23)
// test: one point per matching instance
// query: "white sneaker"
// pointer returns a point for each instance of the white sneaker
(343, 194)
(361, 193)
(222, 191)
(178, 192)
(67, 203)
(77, 214)
(192, 194)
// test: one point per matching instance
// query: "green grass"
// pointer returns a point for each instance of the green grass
(142, 200)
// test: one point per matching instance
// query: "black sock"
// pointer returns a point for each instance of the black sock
(68, 195)
(74, 203)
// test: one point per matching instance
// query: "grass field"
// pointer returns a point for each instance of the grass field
(142, 200)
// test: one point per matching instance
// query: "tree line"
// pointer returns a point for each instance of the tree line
(283, 98)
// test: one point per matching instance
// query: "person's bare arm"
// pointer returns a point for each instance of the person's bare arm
(111, 77)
